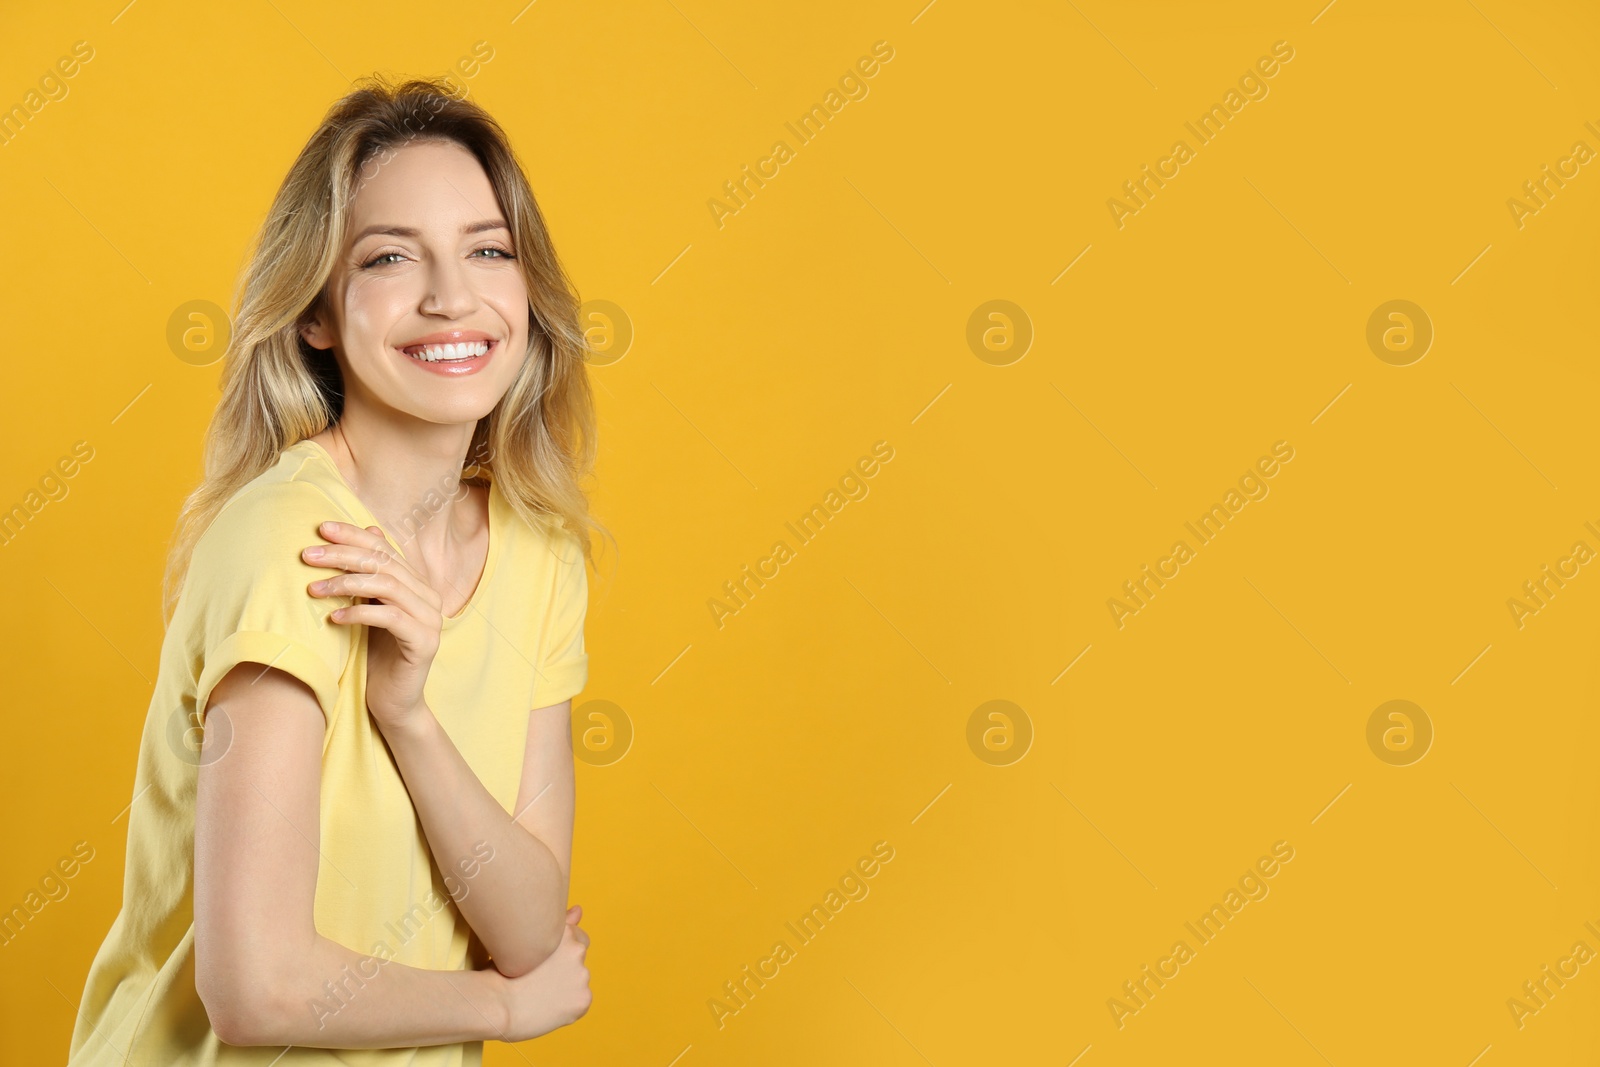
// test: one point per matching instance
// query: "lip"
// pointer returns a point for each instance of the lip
(459, 368)
(445, 337)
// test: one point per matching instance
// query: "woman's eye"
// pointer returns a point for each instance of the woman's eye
(384, 259)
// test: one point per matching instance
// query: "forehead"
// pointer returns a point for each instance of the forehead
(431, 186)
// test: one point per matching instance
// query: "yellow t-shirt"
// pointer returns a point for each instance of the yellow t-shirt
(516, 646)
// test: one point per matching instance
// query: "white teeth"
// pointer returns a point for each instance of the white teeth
(464, 350)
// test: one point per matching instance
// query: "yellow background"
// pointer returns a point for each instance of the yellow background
(830, 313)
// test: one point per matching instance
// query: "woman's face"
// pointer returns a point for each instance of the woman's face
(428, 259)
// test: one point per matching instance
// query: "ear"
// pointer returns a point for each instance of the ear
(316, 333)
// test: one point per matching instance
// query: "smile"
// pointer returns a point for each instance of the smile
(451, 353)
(454, 359)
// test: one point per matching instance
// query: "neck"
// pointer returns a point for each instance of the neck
(408, 474)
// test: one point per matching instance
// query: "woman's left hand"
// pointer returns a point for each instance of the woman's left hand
(404, 623)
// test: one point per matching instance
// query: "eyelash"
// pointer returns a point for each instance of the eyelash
(504, 254)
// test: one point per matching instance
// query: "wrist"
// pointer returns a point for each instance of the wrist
(486, 992)
(414, 728)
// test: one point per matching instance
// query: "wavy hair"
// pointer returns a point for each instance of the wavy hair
(538, 443)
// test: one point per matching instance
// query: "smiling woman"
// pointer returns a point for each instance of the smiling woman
(404, 424)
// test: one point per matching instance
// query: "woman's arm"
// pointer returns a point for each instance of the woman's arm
(516, 905)
(261, 969)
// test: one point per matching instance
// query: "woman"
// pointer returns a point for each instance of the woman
(352, 815)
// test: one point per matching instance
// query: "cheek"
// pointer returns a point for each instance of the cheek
(507, 295)
(507, 300)
(371, 313)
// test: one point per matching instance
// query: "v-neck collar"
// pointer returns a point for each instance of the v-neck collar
(496, 531)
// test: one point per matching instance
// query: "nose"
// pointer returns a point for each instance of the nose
(449, 292)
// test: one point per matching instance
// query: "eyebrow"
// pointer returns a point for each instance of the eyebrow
(391, 230)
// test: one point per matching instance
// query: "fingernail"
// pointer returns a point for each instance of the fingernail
(314, 553)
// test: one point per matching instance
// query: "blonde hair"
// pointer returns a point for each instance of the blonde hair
(539, 441)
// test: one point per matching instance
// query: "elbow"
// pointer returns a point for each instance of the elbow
(517, 964)
(244, 1013)
(241, 1016)
(520, 961)
(236, 1027)
(242, 1000)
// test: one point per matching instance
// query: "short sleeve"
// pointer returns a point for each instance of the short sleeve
(563, 668)
(246, 589)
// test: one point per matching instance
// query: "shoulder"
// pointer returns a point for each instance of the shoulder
(280, 509)
(245, 598)
(546, 555)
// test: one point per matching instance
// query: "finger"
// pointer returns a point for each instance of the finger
(371, 538)
(575, 913)
(406, 629)
(352, 543)
(386, 545)
(350, 534)
(357, 560)
(380, 585)
(417, 618)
